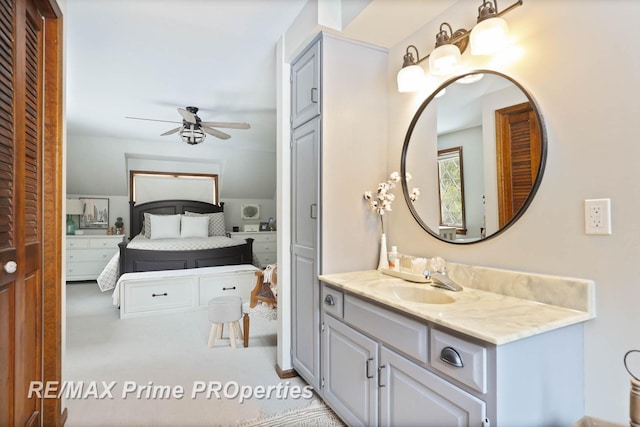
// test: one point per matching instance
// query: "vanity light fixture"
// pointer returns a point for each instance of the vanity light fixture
(486, 37)
(445, 58)
(489, 34)
(410, 77)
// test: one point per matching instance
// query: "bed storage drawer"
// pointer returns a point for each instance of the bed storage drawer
(239, 284)
(158, 295)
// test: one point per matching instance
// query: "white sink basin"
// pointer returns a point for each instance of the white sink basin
(422, 295)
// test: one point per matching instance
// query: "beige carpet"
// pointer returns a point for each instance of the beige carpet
(317, 414)
(166, 350)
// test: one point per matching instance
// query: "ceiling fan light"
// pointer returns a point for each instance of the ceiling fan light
(444, 60)
(192, 134)
(410, 79)
(488, 36)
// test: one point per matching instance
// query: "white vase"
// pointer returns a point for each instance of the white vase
(384, 261)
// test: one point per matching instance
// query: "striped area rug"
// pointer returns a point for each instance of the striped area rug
(316, 414)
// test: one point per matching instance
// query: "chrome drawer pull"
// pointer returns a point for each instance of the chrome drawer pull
(450, 355)
(159, 295)
(367, 368)
(380, 376)
(228, 289)
(329, 300)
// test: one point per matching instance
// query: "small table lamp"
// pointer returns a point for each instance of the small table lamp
(74, 207)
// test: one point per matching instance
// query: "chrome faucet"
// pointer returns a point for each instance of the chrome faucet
(441, 280)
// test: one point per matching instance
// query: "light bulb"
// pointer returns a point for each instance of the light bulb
(488, 36)
(444, 60)
(410, 78)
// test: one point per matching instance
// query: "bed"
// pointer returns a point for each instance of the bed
(141, 254)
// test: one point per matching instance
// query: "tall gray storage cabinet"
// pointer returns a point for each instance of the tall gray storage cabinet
(338, 116)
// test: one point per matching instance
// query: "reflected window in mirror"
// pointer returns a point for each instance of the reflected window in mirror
(451, 189)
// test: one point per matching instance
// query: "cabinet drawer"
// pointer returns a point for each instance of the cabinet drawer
(259, 238)
(446, 350)
(406, 335)
(143, 297)
(77, 243)
(76, 269)
(239, 284)
(264, 247)
(94, 255)
(104, 243)
(266, 259)
(332, 301)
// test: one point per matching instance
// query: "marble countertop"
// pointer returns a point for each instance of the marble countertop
(488, 316)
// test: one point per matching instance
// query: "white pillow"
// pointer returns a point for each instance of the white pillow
(216, 222)
(194, 226)
(165, 226)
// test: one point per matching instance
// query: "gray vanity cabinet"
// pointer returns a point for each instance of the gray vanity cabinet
(350, 373)
(368, 381)
(410, 395)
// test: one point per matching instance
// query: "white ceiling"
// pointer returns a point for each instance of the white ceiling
(145, 58)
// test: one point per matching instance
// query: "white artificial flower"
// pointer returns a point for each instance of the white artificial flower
(383, 199)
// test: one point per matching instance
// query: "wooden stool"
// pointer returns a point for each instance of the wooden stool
(227, 309)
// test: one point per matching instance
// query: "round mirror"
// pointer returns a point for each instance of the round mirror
(476, 149)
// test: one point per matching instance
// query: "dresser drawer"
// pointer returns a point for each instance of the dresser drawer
(264, 247)
(103, 255)
(85, 270)
(406, 335)
(77, 243)
(264, 237)
(266, 259)
(159, 295)
(459, 359)
(101, 243)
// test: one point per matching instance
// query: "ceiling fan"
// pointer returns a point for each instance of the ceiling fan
(193, 129)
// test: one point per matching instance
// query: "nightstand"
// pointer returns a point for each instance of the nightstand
(264, 244)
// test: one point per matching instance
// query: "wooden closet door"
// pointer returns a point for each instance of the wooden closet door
(20, 210)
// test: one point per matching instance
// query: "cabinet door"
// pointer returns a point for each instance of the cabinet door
(410, 395)
(305, 287)
(350, 373)
(305, 86)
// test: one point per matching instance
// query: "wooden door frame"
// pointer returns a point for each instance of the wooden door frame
(53, 191)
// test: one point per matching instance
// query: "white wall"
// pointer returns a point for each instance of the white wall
(581, 63)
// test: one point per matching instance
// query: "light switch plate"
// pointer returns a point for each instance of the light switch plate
(597, 216)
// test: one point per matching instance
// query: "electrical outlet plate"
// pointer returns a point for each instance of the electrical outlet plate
(597, 216)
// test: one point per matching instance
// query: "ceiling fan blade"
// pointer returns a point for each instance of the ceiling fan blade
(188, 116)
(151, 120)
(228, 125)
(215, 132)
(172, 131)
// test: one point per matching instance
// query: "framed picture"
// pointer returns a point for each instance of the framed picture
(95, 213)
(264, 226)
(250, 211)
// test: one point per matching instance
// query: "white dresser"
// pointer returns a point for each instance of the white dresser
(264, 245)
(87, 255)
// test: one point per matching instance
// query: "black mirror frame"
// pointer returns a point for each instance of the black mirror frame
(536, 184)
